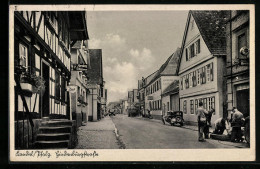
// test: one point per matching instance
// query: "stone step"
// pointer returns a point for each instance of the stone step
(51, 144)
(60, 129)
(53, 137)
(56, 123)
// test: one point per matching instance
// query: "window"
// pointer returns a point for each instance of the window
(242, 42)
(192, 24)
(196, 105)
(205, 103)
(191, 107)
(57, 85)
(184, 82)
(194, 79)
(192, 52)
(181, 83)
(168, 106)
(184, 107)
(23, 55)
(203, 75)
(159, 83)
(190, 79)
(211, 101)
(187, 54)
(63, 83)
(197, 46)
(211, 72)
(208, 72)
(187, 81)
(198, 77)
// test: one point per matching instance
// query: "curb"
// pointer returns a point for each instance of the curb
(159, 121)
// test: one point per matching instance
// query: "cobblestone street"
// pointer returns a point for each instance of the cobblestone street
(98, 135)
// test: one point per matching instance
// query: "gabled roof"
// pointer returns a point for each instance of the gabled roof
(172, 88)
(212, 27)
(95, 73)
(171, 65)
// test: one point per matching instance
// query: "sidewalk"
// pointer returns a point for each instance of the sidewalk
(98, 135)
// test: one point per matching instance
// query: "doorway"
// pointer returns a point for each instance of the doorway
(46, 95)
(243, 101)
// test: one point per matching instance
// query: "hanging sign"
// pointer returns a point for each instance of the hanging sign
(79, 67)
(71, 89)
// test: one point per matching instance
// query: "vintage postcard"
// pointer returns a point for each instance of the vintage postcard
(131, 83)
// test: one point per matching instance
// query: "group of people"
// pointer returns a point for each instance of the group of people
(222, 124)
(204, 121)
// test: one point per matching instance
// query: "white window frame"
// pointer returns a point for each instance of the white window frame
(190, 79)
(208, 73)
(23, 56)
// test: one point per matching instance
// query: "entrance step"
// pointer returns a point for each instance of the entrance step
(55, 123)
(59, 129)
(55, 133)
(45, 119)
(51, 144)
(53, 137)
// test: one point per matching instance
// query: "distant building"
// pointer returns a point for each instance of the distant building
(202, 64)
(161, 80)
(141, 95)
(237, 62)
(124, 107)
(95, 85)
(79, 57)
(170, 98)
(142, 89)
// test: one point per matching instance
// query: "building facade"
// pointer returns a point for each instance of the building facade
(202, 64)
(170, 98)
(80, 62)
(42, 52)
(237, 62)
(95, 85)
(161, 80)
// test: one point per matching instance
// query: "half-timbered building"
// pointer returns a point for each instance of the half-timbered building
(42, 41)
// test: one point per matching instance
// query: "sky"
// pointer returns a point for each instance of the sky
(134, 44)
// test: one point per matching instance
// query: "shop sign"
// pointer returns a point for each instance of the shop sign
(79, 67)
(71, 89)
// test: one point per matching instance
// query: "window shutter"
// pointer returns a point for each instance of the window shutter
(198, 45)
(201, 76)
(187, 57)
(195, 78)
(211, 72)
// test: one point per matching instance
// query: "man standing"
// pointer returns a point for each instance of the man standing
(208, 117)
(202, 121)
(237, 119)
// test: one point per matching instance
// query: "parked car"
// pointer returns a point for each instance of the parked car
(173, 118)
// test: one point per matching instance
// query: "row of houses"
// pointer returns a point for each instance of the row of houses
(57, 76)
(212, 66)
